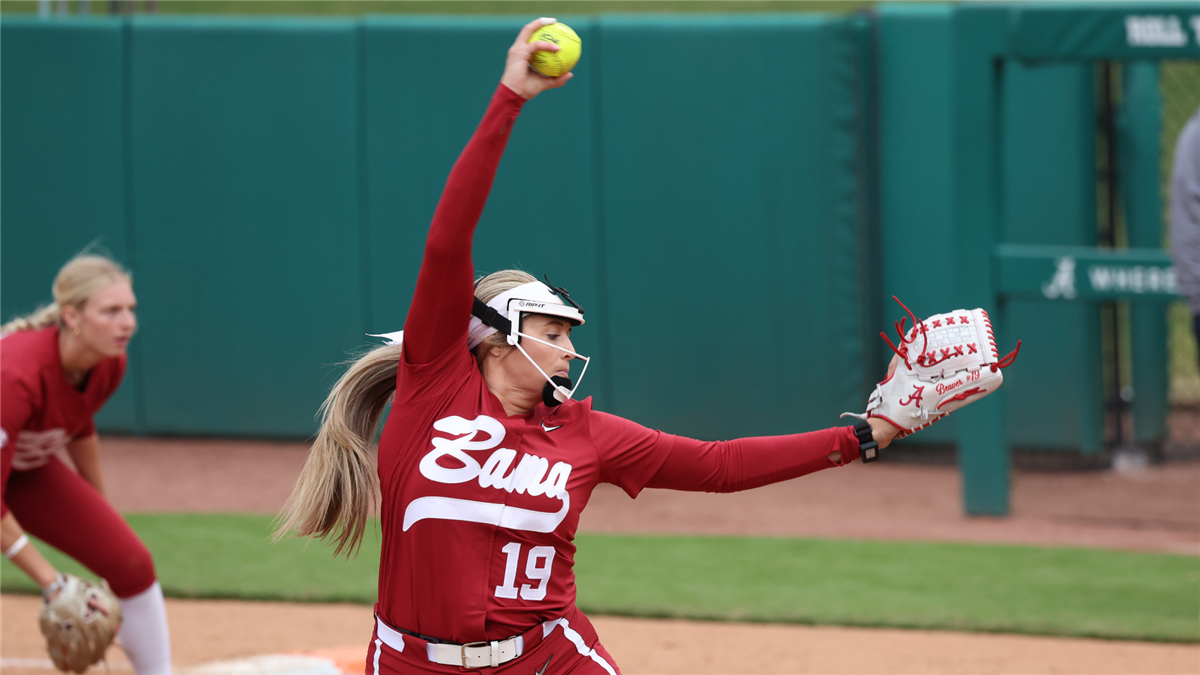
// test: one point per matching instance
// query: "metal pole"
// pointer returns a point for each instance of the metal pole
(1109, 238)
(1141, 202)
(1125, 455)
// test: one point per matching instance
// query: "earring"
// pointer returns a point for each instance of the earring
(77, 331)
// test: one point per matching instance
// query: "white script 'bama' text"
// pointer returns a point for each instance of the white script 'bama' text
(533, 476)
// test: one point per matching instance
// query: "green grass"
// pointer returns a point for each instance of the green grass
(482, 7)
(1016, 589)
(229, 556)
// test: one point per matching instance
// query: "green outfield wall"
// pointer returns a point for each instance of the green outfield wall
(1049, 197)
(734, 221)
(270, 182)
(63, 168)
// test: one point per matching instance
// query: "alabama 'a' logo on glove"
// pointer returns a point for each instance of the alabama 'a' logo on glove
(957, 363)
(79, 623)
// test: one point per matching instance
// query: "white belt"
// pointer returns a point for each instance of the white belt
(470, 655)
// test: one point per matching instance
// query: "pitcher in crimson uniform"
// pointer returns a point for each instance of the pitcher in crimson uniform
(486, 460)
(57, 368)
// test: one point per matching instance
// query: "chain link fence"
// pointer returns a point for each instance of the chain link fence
(1178, 83)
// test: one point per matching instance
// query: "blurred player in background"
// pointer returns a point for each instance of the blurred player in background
(1185, 215)
(57, 368)
(486, 462)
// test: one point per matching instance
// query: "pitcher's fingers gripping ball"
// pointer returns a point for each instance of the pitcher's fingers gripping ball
(554, 64)
(79, 623)
(957, 363)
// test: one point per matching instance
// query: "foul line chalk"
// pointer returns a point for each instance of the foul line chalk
(272, 664)
(47, 664)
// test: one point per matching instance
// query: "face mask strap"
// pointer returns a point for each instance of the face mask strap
(562, 293)
(491, 317)
(511, 327)
(586, 361)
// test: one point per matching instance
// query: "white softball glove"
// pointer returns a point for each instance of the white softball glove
(957, 364)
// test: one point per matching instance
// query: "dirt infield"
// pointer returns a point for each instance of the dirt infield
(1157, 509)
(207, 631)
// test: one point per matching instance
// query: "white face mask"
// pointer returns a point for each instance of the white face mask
(537, 298)
(531, 298)
(557, 389)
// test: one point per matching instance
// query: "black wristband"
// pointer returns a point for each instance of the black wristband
(867, 447)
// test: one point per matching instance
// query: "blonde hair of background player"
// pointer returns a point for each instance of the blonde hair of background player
(81, 278)
(336, 488)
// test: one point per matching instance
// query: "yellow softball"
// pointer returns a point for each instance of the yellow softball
(553, 64)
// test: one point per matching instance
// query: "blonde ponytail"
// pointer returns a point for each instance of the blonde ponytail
(81, 278)
(39, 319)
(336, 488)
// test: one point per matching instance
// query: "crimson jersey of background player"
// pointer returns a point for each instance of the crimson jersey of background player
(486, 460)
(57, 368)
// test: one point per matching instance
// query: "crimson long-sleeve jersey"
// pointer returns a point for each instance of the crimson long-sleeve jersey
(40, 412)
(479, 510)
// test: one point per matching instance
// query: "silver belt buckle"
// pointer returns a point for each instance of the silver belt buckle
(485, 643)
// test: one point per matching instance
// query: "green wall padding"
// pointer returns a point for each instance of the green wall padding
(1049, 197)
(916, 170)
(916, 142)
(282, 175)
(541, 216)
(63, 185)
(729, 243)
(1104, 30)
(246, 220)
(270, 183)
(1140, 123)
